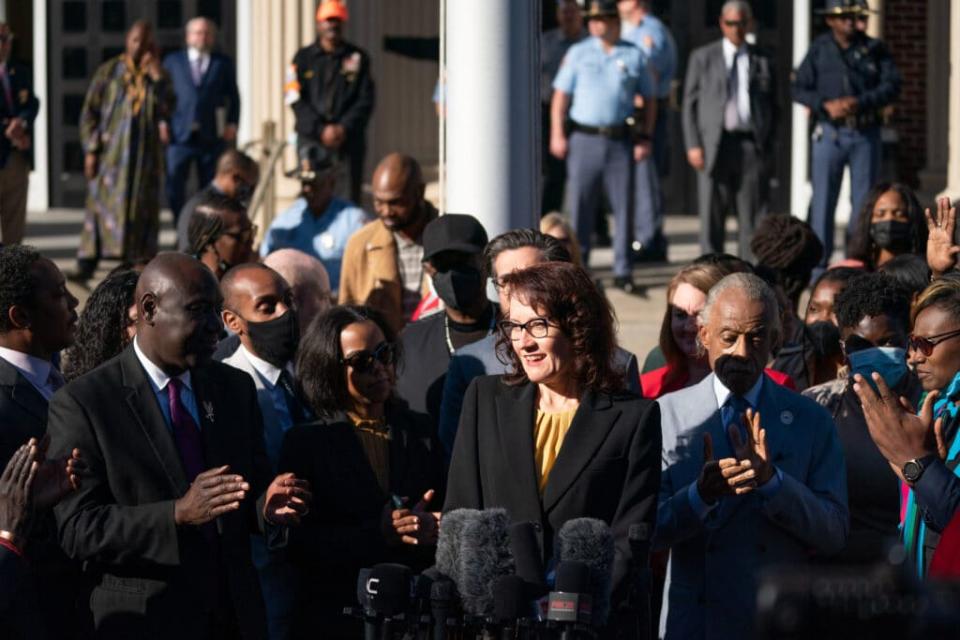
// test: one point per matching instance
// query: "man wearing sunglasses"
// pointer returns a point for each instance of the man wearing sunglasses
(923, 448)
(728, 116)
(18, 109)
(846, 80)
(873, 314)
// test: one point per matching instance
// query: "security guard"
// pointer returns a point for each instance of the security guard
(331, 92)
(846, 79)
(604, 81)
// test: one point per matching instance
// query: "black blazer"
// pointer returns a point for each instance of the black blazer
(608, 467)
(151, 578)
(342, 533)
(23, 411)
(25, 106)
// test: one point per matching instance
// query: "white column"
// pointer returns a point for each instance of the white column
(953, 136)
(800, 189)
(493, 116)
(38, 192)
(244, 28)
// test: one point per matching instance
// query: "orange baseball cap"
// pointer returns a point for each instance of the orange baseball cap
(332, 9)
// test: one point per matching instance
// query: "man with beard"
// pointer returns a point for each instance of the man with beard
(331, 93)
(753, 474)
(317, 223)
(258, 308)
(453, 258)
(179, 476)
(205, 83)
(383, 262)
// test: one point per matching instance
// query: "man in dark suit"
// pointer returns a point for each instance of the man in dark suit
(176, 455)
(18, 109)
(728, 120)
(205, 83)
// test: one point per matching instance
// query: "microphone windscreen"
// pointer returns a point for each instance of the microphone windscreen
(362, 599)
(449, 543)
(510, 601)
(525, 547)
(389, 589)
(573, 577)
(484, 556)
(590, 541)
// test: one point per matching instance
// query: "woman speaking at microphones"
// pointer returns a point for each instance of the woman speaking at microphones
(558, 437)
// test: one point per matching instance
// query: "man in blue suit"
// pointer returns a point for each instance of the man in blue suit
(205, 83)
(753, 474)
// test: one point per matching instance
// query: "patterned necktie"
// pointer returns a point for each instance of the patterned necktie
(731, 114)
(185, 432)
(732, 413)
(55, 380)
(294, 406)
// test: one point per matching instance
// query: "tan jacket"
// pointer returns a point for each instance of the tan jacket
(369, 274)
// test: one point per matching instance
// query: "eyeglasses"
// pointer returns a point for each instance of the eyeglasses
(535, 328)
(926, 345)
(362, 361)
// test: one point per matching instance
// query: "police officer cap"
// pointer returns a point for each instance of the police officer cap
(601, 9)
(454, 232)
(841, 8)
(314, 161)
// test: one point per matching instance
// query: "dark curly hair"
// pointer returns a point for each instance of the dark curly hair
(862, 246)
(872, 294)
(101, 330)
(910, 271)
(16, 284)
(789, 246)
(320, 374)
(567, 296)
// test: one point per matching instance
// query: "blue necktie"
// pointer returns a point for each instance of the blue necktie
(732, 413)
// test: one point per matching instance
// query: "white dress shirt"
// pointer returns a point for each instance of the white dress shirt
(159, 380)
(195, 54)
(730, 52)
(35, 370)
(270, 375)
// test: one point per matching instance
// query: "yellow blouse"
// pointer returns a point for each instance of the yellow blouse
(548, 433)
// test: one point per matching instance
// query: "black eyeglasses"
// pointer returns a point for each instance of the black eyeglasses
(926, 345)
(536, 328)
(362, 361)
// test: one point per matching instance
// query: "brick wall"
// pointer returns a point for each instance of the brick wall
(905, 33)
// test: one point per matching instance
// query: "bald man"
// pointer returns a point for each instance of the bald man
(179, 477)
(383, 262)
(309, 281)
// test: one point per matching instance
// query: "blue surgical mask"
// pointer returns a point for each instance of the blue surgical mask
(889, 362)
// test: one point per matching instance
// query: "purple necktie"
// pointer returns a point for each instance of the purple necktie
(197, 71)
(185, 432)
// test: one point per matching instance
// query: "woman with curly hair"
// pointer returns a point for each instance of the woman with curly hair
(106, 326)
(891, 224)
(558, 437)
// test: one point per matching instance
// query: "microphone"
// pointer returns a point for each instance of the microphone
(525, 547)
(443, 596)
(449, 542)
(484, 557)
(590, 541)
(511, 604)
(388, 595)
(570, 604)
(639, 539)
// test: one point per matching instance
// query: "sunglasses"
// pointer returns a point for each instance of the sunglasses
(537, 328)
(362, 361)
(926, 345)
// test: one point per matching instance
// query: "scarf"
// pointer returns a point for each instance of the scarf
(914, 529)
(135, 80)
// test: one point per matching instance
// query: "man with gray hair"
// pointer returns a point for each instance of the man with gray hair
(207, 112)
(308, 279)
(753, 473)
(729, 112)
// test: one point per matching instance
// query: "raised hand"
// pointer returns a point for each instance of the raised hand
(213, 493)
(288, 500)
(941, 251)
(899, 433)
(754, 450)
(417, 525)
(16, 484)
(719, 478)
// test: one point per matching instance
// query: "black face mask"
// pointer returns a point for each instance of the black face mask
(243, 193)
(275, 340)
(737, 374)
(892, 235)
(824, 337)
(459, 287)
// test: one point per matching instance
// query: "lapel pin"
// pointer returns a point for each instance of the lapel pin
(208, 410)
(786, 417)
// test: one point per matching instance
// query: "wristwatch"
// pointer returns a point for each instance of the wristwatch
(912, 470)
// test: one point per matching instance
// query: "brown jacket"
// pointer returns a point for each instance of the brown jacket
(370, 275)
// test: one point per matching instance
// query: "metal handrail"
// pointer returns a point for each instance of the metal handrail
(263, 204)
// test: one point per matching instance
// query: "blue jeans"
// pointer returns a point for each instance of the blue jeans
(836, 148)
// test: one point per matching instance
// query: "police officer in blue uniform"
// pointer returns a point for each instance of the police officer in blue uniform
(846, 79)
(603, 82)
